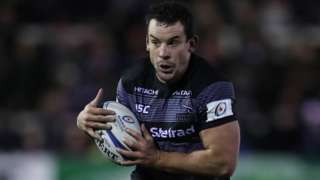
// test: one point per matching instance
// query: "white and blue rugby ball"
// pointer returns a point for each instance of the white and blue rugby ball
(113, 138)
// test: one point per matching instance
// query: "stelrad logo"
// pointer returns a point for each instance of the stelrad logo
(171, 133)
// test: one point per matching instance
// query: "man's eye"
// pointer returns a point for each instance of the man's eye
(173, 43)
(155, 42)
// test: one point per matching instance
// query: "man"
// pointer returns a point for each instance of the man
(184, 106)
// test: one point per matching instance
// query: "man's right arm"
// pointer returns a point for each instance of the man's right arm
(93, 117)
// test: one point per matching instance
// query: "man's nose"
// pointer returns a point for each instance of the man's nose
(164, 52)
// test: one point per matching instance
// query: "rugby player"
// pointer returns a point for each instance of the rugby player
(185, 106)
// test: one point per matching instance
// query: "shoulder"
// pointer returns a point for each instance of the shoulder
(137, 74)
(204, 75)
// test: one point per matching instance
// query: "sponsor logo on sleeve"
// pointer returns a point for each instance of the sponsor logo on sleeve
(219, 109)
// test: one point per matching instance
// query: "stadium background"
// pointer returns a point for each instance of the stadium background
(55, 54)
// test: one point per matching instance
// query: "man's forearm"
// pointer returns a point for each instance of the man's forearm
(204, 162)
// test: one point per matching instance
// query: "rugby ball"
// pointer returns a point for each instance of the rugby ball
(113, 138)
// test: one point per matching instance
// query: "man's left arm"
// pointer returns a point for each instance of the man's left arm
(218, 158)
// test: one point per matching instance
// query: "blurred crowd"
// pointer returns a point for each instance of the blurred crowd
(54, 55)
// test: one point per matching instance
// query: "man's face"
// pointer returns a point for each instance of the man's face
(169, 50)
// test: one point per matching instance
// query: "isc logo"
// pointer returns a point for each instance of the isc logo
(141, 108)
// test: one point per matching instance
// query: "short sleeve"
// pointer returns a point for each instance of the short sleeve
(215, 104)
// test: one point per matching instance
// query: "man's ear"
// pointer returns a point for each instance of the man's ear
(193, 43)
(147, 43)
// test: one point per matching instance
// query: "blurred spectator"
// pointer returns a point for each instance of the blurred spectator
(54, 57)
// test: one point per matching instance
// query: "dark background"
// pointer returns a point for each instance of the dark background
(56, 54)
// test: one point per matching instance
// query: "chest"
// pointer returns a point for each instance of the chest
(178, 106)
(173, 117)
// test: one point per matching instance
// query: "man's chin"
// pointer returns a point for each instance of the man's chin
(165, 77)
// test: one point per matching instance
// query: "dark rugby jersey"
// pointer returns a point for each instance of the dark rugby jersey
(175, 114)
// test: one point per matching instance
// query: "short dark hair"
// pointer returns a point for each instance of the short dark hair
(170, 12)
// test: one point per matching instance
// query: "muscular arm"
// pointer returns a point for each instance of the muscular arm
(217, 159)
